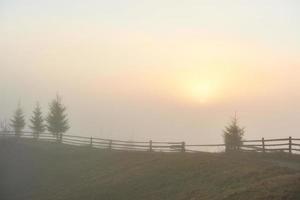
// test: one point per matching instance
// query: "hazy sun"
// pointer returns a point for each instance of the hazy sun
(203, 88)
(198, 90)
(201, 91)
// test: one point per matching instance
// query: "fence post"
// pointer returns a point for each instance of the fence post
(110, 145)
(150, 145)
(183, 147)
(91, 141)
(58, 138)
(263, 145)
(290, 145)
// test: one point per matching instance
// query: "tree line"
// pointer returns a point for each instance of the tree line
(56, 121)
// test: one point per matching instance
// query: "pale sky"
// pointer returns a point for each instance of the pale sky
(161, 69)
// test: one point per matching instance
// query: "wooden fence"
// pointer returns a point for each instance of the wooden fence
(290, 145)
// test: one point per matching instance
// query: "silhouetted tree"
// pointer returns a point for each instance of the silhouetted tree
(57, 122)
(37, 122)
(18, 121)
(233, 135)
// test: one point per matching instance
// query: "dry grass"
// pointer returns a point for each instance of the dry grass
(40, 170)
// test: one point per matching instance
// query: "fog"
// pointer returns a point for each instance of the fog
(171, 71)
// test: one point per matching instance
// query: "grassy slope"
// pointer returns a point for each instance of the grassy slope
(40, 170)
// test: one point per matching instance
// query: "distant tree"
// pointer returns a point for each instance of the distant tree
(4, 126)
(37, 122)
(18, 121)
(57, 122)
(233, 135)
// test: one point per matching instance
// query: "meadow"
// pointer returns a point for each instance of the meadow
(47, 170)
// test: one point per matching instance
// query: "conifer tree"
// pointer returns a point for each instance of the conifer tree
(57, 122)
(37, 122)
(233, 135)
(18, 121)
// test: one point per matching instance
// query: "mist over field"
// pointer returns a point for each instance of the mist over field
(149, 100)
(160, 70)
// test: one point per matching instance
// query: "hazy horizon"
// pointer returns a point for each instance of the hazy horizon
(160, 70)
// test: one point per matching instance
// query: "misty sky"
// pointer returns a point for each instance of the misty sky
(158, 69)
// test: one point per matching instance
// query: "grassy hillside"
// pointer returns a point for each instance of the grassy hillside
(32, 170)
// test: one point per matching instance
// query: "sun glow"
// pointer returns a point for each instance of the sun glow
(198, 89)
(201, 91)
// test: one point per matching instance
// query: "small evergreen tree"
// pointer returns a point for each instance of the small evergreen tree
(37, 122)
(57, 122)
(233, 135)
(18, 121)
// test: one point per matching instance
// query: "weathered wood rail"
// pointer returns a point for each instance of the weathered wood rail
(289, 145)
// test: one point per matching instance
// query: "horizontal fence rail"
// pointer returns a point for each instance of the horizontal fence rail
(289, 145)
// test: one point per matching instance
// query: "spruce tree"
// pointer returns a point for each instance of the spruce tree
(37, 122)
(18, 121)
(57, 122)
(233, 135)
